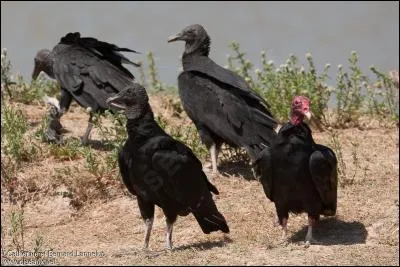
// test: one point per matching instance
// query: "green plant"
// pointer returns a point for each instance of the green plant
(17, 229)
(154, 82)
(6, 78)
(14, 125)
(356, 160)
(116, 133)
(37, 89)
(92, 162)
(354, 94)
(245, 65)
(389, 91)
(38, 246)
(348, 92)
(279, 85)
(70, 150)
(9, 180)
(341, 165)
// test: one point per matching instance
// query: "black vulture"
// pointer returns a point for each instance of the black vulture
(88, 70)
(162, 171)
(219, 102)
(297, 174)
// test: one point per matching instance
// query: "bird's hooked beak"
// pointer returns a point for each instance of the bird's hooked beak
(174, 38)
(36, 72)
(308, 115)
(114, 101)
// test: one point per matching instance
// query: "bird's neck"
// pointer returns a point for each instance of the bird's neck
(296, 118)
(197, 48)
(47, 67)
(141, 126)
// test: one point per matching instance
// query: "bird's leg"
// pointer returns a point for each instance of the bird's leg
(149, 224)
(284, 229)
(309, 237)
(85, 138)
(65, 101)
(169, 234)
(214, 157)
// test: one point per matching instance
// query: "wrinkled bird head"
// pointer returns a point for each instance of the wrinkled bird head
(196, 39)
(300, 109)
(42, 63)
(132, 99)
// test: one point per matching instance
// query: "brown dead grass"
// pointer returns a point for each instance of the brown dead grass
(365, 230)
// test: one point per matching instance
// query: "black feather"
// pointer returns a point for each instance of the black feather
(299, 175)
(88, 70)
(164, 172)
(220, 102)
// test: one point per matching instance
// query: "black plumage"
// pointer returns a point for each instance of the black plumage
(297, 174)
(219, 102)
(88, 70)
(162, 171)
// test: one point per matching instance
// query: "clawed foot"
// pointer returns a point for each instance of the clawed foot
(214, 172)
(207, 165)
(310, 241)
(283, 242)
(168, 247)
(58, 140)
(84, 141)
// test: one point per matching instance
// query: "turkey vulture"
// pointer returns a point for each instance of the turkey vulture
(88, 70)
(162, 171)
(297, 174)
(219, 102)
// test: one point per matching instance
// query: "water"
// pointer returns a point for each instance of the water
(328, 30)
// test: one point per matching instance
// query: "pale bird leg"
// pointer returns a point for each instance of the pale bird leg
(85, 138)
(214, 157)
(309, 238)
(149, 225)
(169, 235)
(284, 229)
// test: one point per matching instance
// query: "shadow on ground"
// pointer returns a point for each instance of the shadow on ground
(101, 145)
(239, 168)
(332, 231)
(205, 245)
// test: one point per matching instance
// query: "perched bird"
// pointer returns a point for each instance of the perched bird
(87, 70)
(297, 174)
(162, 171)
(219, 102)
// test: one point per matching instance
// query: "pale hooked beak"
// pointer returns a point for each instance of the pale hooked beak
(113, 102)
(174, 38)
(308, 114)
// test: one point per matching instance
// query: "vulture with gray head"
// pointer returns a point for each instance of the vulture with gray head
(88, 70)
(297, 174)
(219, 102)
(162, 171)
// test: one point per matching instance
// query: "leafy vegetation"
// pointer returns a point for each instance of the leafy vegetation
(354, 93)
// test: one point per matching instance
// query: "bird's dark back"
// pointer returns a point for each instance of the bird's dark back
(292, 182)
(146, 138)
(89, 70)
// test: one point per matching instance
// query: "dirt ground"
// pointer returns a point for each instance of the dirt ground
(365, 230)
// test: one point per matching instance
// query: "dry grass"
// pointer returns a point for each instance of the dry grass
(107, 219)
